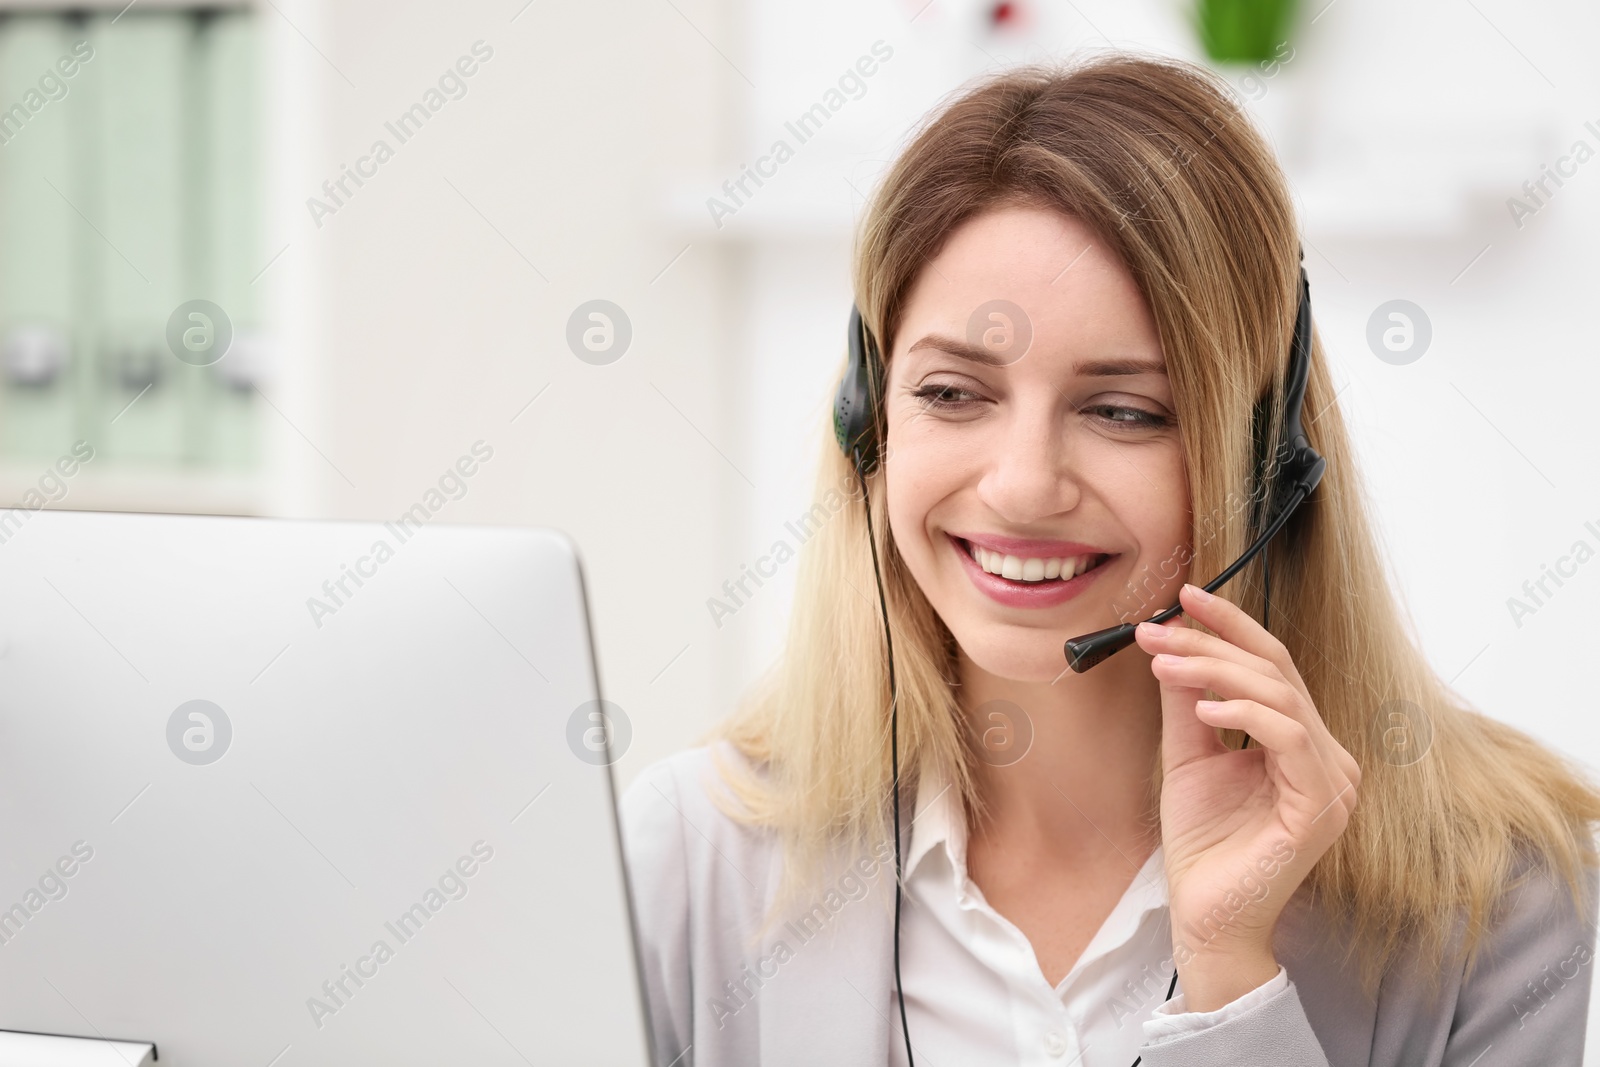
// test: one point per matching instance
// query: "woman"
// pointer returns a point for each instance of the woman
(1084, 283)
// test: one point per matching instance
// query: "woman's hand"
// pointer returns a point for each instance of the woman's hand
(1240, 829)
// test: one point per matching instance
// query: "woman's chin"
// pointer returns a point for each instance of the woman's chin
(1031, 658)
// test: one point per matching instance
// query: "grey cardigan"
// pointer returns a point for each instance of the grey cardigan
(819, 987)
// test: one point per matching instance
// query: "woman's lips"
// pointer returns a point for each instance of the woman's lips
(1019, 546)
(1021, 594)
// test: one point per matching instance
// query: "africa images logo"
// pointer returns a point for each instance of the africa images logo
(199, 732)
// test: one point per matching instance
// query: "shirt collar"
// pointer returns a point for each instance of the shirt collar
(939, 820)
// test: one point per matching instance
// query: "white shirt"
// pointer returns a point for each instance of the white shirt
(974, 991)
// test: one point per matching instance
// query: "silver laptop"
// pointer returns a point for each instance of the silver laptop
(288, 793)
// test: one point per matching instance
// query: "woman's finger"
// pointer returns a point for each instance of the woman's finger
(1232, 681)
(1295, 750)
(1184, 737)
(1177, 639)
(1234, 625)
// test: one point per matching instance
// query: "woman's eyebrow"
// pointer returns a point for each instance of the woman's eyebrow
(1094, 368)
(962, 350)
(1112, 368)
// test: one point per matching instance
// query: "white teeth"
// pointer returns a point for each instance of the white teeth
(1030, 569)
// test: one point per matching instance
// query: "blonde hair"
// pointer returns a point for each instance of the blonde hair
(1155, 157)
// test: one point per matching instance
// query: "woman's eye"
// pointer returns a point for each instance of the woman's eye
(943, 397)
(947, 397)
(1129, 418)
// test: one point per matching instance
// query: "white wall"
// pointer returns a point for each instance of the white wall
(416, 320)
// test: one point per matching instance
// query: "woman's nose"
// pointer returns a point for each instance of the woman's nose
(1030, 475)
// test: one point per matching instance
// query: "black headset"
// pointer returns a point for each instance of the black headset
(1288, 474)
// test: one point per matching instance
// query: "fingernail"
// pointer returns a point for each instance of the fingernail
(1166, 660)
(1152, 629)
(1199, 594)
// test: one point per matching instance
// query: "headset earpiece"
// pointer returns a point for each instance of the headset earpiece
(855, 407)
(1292, 462)
(1301, 466)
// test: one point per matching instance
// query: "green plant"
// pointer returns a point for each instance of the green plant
(1243, 31)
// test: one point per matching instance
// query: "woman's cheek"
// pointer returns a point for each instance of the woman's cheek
(908, 514)
(1165, 533)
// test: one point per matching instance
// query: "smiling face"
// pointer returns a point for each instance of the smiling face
(1048, 449)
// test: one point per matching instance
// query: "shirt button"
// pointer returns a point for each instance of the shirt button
(1054, 1045)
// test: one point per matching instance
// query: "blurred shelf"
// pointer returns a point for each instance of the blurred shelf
(98, 6)
(105, 485)
(1386, 182)
(1436, 197)
(814, 207)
